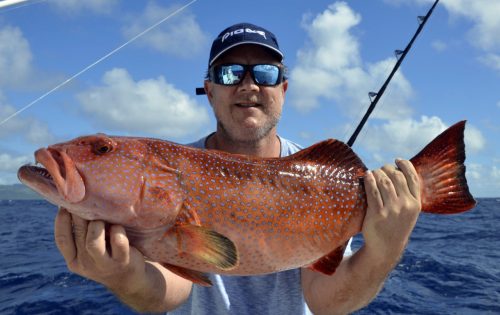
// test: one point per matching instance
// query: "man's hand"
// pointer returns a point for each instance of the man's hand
(83, 246)
(146, 286)
(393, 197)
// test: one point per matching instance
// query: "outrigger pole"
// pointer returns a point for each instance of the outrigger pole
(400, 55)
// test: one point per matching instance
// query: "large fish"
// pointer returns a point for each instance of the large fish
(203, 211)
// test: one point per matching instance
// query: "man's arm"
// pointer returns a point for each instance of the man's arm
(144, 286)
(393, 198)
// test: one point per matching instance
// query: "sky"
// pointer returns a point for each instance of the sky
(79, 67)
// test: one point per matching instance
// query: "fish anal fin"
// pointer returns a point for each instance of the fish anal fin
(194, 276)
(207, 245)
(329, 263)
(440, 166)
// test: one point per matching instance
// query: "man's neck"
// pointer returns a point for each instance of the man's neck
(268, 146)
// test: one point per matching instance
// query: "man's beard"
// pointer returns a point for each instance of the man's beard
(254, 135)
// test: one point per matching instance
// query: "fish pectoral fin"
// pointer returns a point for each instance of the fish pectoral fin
(329, 263)
(191, 275)
(207, 245)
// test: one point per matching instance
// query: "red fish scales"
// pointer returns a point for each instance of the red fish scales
(273, 211)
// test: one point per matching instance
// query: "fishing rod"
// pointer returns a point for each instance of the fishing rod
(400, 55)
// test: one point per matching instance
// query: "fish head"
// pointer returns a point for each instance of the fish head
(97, 177)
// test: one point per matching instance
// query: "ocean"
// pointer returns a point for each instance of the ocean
(451, 266)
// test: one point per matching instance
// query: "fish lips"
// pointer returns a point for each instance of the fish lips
(58, 176)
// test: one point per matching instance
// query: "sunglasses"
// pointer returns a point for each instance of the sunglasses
(233, 74)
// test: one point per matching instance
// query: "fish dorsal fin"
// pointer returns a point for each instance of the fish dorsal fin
(329, 152)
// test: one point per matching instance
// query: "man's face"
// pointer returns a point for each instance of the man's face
(246, 112)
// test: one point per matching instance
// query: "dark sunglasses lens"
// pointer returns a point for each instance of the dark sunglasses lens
(266, 74)
(232, 74)
(229, 74)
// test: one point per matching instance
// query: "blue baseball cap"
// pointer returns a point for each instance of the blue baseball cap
(243, 33)
(240, 34)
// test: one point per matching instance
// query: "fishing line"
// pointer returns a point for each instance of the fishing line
(17, 6)
(97, 62)
(400, 55)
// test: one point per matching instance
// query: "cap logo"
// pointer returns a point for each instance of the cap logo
(243, 30)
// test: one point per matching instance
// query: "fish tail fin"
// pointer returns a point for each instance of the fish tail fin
(441, 168)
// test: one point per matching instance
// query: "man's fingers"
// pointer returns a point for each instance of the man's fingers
(63, 234)
(120, 250)
(398, 180)
(385, 186)
(411, 177)
(96, 242)
(372, 193)
(79, 232)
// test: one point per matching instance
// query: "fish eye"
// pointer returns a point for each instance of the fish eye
(104, 149)
(103, 146)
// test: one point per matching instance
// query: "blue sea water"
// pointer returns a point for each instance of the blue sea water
(451, 266)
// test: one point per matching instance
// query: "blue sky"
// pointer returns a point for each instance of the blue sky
(336, 52)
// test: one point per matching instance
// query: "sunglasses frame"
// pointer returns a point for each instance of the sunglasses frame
(247, 68)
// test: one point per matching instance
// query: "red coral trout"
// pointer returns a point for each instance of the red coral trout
(204, 211)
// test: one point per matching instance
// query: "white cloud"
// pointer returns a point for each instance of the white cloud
(305, 135)
(401, 138)
(474, 171)
(31, 129)
(9, 164)
(15, 57)
(17, 69)
(485, 32)
(394, 103)
(152, 106)
(74, 6)
(474, 140)
(491, 60)
(316, 70)
(180, 35)
(495, 173)
(406, 137)
(401, 2)
(484, 179)
(338, 74)
(439, 45)
(330, 68)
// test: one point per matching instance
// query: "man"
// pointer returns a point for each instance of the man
(246, 88)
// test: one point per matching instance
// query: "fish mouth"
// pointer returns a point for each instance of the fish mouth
(56, 177)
